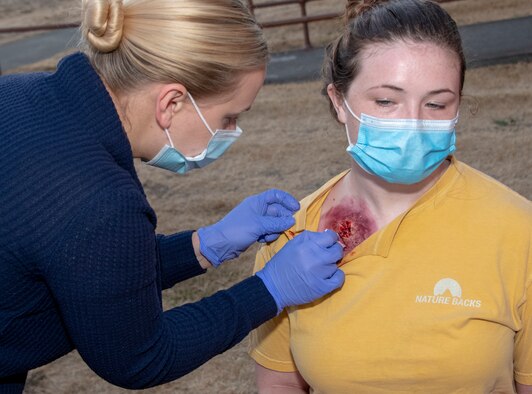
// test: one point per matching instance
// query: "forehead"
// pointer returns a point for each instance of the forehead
(424, 65)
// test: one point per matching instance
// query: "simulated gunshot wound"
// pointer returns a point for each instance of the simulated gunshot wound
(352, 221)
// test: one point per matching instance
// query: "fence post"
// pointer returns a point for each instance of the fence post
(303, 5)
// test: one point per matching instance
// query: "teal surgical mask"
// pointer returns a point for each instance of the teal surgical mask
(169, 158)
(402, 151)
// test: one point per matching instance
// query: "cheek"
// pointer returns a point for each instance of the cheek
(192, 141)
(201, 140)
(352, 130)
(218, 124)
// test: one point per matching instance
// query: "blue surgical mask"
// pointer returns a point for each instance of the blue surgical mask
(402, 151)
(169, 158)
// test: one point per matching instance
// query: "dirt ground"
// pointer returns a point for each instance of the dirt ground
(291, 142)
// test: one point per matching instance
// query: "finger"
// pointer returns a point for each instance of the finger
(336, 252)
(325, 239)
(276, 196)
(272, 225)
(278, 210)
(269, 237)
(336, 280)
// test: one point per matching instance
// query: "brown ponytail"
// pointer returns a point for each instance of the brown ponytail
(355, 8)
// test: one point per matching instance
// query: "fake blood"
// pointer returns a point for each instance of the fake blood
(345, 229)
(352, 220)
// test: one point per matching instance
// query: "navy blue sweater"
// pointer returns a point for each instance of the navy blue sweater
(81, 266)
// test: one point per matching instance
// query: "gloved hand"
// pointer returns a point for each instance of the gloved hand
(261, 217)
(304, 269)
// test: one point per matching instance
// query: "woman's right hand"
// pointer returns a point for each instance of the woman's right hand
(304, 269)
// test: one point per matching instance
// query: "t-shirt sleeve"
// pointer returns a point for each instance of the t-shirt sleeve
(523, 338)
(269, 344)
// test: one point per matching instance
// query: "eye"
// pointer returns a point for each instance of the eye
(384, 102)
(435, 106)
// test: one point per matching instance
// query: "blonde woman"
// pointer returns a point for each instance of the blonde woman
(81, 265)
(437, 258)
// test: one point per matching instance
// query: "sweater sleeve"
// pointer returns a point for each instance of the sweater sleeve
(177, 258)
(104, 278)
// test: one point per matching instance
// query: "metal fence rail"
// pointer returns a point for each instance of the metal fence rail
(304, 19)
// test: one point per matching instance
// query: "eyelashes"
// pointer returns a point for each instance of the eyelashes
(384, 102)
(389, 103)
(435, 106)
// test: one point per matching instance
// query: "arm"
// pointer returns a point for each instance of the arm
(269, 344)
(180, 258)
(261, 217)
(275, 382)
(523, 389)
(523, 337)
(105, 279)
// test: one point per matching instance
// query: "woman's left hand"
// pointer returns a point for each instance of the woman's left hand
(261, 217)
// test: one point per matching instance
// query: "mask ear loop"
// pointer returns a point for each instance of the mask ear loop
(168, 136)
(351, 111)
(199, 113)
(455, 120)
(347, 133)
(356, 117)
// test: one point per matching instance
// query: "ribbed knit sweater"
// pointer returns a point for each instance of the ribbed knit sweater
(81, 265)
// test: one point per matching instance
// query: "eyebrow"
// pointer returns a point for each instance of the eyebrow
(398, 89)
(238, 113)
(387, 87)
(438, 91)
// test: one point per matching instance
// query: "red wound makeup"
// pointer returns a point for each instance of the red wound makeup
(352, 220)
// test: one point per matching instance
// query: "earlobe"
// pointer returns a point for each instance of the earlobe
(169, 102)
(337, 102)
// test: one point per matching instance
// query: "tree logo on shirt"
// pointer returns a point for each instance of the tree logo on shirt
(448, 291)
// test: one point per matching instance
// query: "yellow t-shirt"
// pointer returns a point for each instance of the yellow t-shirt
(435, 302)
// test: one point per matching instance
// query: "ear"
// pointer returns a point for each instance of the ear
(338, 102)
(170, 100)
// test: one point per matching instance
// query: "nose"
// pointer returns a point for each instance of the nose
(413, 112)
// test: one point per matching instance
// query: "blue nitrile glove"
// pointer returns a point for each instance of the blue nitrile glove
(304, 269)
(261, 217)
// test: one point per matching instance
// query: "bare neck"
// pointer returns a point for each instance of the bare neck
(385, 200)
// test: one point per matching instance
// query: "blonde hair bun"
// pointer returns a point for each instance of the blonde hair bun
(202, 44)
(102, 23)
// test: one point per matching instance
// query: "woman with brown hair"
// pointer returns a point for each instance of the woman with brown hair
(437, 258)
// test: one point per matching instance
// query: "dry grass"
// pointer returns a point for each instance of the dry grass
(291, 142)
